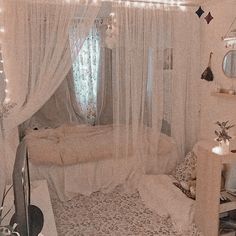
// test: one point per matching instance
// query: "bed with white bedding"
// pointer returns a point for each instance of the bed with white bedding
(80, 159)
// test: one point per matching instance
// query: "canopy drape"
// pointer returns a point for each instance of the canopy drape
(157, 67)
(37, 51)
(153, 52)
(185, 102)
(137, 83)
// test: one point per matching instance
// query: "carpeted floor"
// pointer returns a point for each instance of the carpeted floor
(116, 213)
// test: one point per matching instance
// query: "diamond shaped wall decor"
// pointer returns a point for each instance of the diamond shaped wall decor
(209, 18)
(199, 12)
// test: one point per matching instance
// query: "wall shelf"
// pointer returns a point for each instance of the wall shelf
(225, 95)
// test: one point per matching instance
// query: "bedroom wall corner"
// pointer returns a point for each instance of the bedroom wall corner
(216, 108)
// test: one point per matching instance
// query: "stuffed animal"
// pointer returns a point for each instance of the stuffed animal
(191, 184)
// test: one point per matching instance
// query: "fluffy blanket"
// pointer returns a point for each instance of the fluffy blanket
(68, 145)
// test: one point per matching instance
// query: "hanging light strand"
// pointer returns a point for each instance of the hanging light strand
(146, 3)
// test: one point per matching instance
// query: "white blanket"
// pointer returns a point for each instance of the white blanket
(160, 195)
(69, 145)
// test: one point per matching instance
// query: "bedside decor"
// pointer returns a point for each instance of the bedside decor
(223, 137)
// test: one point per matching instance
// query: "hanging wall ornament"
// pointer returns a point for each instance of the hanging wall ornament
(199, 12)
(111, 32)
(209, 18)
(207, 74)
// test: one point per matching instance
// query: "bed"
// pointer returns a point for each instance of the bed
(80, 159)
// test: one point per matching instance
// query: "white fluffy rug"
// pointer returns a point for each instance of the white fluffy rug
(116, 213)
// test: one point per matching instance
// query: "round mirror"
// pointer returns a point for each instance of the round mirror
(229, 64)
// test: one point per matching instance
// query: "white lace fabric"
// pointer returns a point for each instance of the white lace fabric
(37, 52)
(38, 55)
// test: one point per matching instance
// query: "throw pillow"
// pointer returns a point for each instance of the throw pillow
(185, 169)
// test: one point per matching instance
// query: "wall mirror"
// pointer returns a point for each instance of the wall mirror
(229, 64)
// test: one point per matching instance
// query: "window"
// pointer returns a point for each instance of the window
(85, 73)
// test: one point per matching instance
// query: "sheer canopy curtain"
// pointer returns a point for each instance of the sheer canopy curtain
(185, 103)
(157, 53)
(37, 52)
(138, 80)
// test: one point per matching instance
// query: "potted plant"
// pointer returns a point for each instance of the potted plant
(223, 137)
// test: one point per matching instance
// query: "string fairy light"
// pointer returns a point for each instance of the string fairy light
(2, 30)
(181, 4)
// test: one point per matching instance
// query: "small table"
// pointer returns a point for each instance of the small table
(208, 207)
(39, 197)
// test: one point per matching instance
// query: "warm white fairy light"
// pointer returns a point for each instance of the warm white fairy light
(127, 4)
(172, 3)
(7, 100)
(183, 8)
(142, 4)
(7, 91)
(152, 3)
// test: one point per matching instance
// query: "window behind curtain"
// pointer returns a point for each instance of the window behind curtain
(85, 73)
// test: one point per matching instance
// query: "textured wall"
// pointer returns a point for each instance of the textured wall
(216, 108)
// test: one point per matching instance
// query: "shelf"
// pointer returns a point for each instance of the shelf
(228, 158)
(228, 234)
(221, 94)
(228, 206)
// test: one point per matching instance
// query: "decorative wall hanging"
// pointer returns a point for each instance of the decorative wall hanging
(230, 37)
(111, 32)
(209, 18)
(207, 74)
(199, 12)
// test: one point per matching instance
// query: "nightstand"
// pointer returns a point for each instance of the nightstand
(208, 190)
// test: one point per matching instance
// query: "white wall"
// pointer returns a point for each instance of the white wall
(216, 108)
